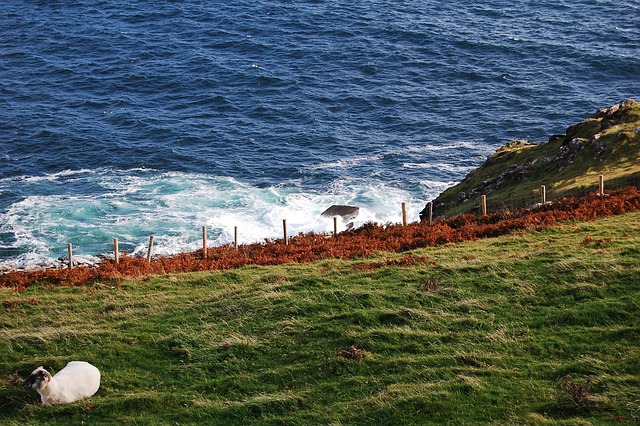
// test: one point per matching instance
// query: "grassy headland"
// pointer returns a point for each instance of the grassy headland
(531, 328)
(606, 143)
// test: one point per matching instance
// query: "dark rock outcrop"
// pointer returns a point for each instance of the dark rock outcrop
(347, 213)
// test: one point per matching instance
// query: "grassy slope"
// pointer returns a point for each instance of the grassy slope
(614, 154)
(480, 332)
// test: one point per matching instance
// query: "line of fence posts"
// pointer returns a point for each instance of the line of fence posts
(543, 197)
(116, 250)
(483, 209)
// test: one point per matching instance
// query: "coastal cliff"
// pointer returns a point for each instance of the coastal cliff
(606, 143)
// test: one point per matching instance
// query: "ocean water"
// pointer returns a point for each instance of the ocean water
(130, 119)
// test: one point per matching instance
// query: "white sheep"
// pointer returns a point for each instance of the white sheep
(76, 381)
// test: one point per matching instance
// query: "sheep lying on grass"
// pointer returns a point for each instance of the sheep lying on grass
(76, 381)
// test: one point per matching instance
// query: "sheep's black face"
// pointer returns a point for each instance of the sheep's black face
(35, 379)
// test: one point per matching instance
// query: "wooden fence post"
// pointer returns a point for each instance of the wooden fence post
(335, 226)
(116, 251)
(284, 229)
(70, 252)
(484, 205)
(404, 214)
(235, 237)
(601, 185)
(204, 242)
(543, 194)
(150, 248)
(430, 213)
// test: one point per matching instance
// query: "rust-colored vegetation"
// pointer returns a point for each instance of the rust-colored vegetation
(578, 393)
(360, 242)
(353, 352)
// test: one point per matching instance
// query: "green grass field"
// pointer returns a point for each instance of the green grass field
(534, 328)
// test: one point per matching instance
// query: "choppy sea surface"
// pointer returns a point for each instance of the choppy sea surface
(130, 119)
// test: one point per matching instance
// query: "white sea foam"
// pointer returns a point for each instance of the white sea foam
(456, 168)
(174, 206)
(436, 186)
(347, 162)
(57, 176)
(473, 147)
(444, 167)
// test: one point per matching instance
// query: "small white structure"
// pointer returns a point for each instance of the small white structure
(76, 381)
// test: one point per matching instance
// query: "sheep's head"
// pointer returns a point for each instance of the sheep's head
(37, 379)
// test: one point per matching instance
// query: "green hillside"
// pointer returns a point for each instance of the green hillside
(533, 328)
(607, 143)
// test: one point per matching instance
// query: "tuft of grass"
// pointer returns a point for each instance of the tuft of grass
(531, 328)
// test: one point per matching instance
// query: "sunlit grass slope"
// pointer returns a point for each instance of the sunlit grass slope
(534, 328)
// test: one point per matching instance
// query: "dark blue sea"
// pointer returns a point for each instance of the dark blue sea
(129, 119)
